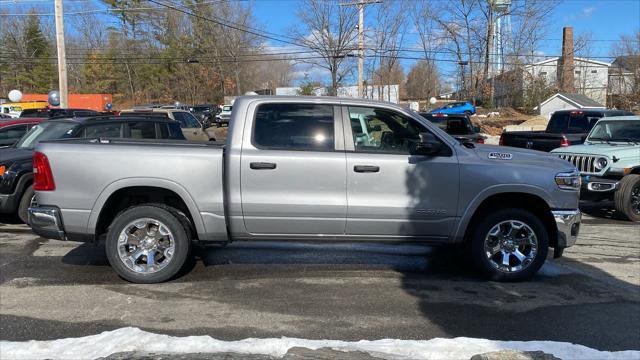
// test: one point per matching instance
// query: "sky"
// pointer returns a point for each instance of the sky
(605, 19)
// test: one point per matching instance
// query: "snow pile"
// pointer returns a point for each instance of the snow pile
(134, 339)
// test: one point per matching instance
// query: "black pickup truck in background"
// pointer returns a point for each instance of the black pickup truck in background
(457, 125)
(565, 128)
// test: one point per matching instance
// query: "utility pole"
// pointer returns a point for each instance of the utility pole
(361, 4)
(62, 58)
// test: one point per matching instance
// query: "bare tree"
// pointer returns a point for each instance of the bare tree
(624, 78)
(387, 41)
(422, 81)
(328, 30)
(431, 39)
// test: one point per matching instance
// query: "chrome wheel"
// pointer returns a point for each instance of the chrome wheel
(146, 246)
(511, 246)
(635, 200)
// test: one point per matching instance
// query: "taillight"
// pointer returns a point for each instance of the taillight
(501, 141)
(480, 140)
(565, 142)
(42, 175)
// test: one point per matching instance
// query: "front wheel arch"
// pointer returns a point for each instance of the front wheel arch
(525, 201)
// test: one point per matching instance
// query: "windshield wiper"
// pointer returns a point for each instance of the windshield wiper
(599, 139)
(629, 140)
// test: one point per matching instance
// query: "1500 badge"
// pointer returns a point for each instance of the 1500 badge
(500, 156)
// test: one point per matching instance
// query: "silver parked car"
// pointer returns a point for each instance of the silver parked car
(308, 168)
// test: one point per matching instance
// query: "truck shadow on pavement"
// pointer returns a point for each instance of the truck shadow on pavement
(586, 306)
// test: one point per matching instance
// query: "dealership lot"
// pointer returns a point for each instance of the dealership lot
(53, 289)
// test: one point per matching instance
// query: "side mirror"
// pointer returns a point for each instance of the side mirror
(476, 129)
(428, 145)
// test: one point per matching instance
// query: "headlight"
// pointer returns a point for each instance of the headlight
(568, 181)
(600, 163)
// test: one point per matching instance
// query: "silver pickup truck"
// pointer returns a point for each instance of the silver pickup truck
(307, 169)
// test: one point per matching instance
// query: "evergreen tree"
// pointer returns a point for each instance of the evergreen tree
(40, 75)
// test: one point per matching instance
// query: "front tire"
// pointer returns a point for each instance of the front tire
(627, 197)
(509, 245)
(148, 244)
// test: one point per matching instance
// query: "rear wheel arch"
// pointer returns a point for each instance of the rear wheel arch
(109, 206)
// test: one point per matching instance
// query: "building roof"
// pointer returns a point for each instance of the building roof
(555, 59)
(628, 63)
(578, 100)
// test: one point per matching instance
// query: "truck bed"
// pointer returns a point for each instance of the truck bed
(83, 168)
(539, 140)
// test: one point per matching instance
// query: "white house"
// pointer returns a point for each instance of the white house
(591, 78)
(565, 101)
(373, 92)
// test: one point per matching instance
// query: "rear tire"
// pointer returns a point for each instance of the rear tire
(148, 244)
(514, 236)
(627, 197)
(25, 201)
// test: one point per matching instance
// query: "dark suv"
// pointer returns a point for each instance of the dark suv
(16, 194)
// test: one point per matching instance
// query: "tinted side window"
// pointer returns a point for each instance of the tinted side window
(294, 126)
(186, 120)
(142, 130)
(12, 134)
(458, 127)
(171, 131)
(112, 130)
(380, 130)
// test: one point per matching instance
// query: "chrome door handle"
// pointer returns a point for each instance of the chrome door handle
(366, 168)
(262, 166)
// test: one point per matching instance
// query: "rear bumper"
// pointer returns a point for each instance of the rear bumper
(568, 224)
(46, 222)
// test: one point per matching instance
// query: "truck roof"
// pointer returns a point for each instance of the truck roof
(317, 99)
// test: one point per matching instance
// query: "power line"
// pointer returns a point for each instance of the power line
(249, 30)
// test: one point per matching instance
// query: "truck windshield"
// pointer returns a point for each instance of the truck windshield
(46, 131)
(622, 131)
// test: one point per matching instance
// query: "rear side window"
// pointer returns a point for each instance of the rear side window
(171, 131)
(12, 134)
(142, 130)
(186, 120)
(111, 130)
(294, 127)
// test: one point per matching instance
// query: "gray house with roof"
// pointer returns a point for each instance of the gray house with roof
(566, 101)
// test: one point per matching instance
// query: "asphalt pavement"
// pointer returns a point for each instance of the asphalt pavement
(53, 289)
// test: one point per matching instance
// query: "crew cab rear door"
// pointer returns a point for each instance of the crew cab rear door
(293, 177)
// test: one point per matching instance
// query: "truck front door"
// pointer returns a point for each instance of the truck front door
(293, 177)
(390, 192)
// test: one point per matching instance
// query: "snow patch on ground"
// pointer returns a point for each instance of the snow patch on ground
(134, 339)
(551, 270)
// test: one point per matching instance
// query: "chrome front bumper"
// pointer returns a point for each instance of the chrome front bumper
(46, 222)
(568, 224)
